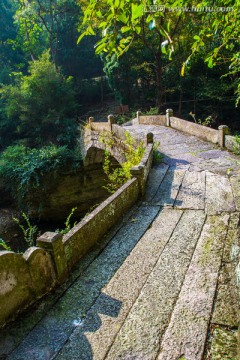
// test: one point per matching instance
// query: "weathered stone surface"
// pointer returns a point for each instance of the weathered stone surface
(156, 176)
(221, 166)
(187, 331)
(194, 148)
(15, 285)
(50, 335)
(107, 300)
(203, 132)
(192, 191)
(235, 183)
(219, 195)
(120, 293)
(168, 190)
(231, 250)
(140, 335)
(224, 344)
(226, 302)
(61, 191)
(14, 334)
(41, 270)
(90, 229)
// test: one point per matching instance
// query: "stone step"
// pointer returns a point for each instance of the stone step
(186, 334)
(95, 336)
(51, 333)
(156, 176)
(168, 190)
(141, 332)
(192, 191)
(219, 196)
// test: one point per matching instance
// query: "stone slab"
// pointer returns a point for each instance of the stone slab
(52, 332)
(232, 239)
(219, 195)
(221, 166)
(224, 344)
(141, 332)
(192, 191)
(196, 148)
(226, 303)
(95, 336)
(168, 190)
(155, 178)
(235, 183)
(187, 331)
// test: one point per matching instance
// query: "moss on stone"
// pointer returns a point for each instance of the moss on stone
(224, 344)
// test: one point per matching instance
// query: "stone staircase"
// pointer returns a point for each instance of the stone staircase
(160, 284)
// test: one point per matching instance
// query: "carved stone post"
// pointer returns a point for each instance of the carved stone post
(169, 113)
(52, 242)
(111, 121)
(222, 131)
(150, 138)
(138, 116)
(138, 172)
(90, 121)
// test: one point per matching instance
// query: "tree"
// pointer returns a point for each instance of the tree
(160, 28)
(42, 104)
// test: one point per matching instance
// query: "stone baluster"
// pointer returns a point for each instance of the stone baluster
(169, 113)
(222, 131)
(138, 116)
(90, 121)
(52, 243)
(111, 121)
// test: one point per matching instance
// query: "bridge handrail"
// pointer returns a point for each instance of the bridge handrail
(26, 278)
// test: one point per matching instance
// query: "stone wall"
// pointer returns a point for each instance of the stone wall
(59, 192)
(198, 130)
(231, 144)
(26, 278)
(219, 136)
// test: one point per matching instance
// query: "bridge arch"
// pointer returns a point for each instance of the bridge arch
(95, 153)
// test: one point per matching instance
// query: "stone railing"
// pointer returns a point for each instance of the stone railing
(219, 136)
(24, 278)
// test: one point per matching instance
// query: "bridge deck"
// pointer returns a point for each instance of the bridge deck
(159, 285)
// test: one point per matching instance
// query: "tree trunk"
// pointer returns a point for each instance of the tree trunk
(159, 85)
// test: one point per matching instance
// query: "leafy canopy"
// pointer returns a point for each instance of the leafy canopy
(43, 104)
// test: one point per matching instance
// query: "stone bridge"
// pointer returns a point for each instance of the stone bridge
(163, 282)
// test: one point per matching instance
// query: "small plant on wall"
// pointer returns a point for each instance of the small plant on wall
(132, 153)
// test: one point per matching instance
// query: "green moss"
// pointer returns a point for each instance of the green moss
(224, 344)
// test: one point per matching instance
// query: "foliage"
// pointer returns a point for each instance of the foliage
(206, 122)
(21, 167)
(157, 155)
(236, 148)
(152, 111)
(42, 104)
(29, 231)
(133, 154)
(4, 245)
(172, 30)
(68, 225)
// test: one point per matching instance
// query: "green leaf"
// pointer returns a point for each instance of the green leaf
(137, 11)
(125, 29)
(138, 29)
(123, 18)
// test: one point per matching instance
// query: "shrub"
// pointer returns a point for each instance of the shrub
(21, 167)
(42, 104)
(133, 154)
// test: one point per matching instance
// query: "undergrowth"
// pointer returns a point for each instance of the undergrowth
(132, 153)
(21, 168)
